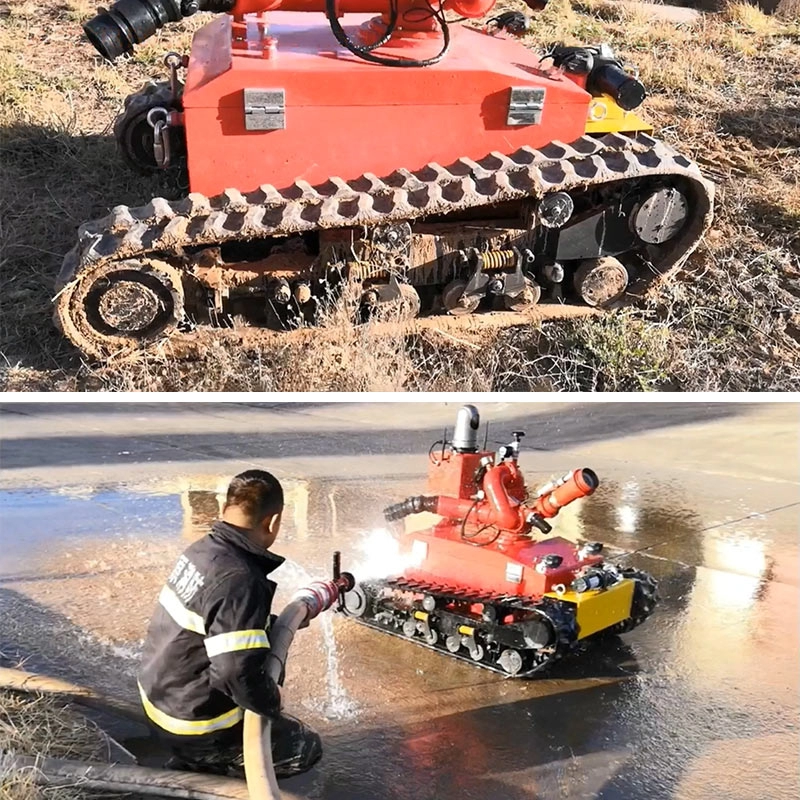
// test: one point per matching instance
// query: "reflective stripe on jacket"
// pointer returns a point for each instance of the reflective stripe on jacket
(205, 655)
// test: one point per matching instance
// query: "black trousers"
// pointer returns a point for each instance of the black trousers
(295, 749)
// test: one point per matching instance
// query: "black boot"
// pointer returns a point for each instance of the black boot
(295, 746)
(209, 767)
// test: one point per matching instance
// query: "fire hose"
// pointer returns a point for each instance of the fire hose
(257, 743)
(304, 606)
(21, 681)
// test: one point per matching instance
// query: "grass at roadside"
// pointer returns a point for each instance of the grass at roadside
(39, 725)
(724, 89)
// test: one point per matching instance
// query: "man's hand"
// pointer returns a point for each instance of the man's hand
(276, 712)
(276, 709)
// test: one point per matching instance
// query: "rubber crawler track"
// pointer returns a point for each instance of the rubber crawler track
(523, 604)
(161, 228)
(646, 595)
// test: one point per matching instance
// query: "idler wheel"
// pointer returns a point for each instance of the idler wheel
(529, 296)
(431, 636)
(661, 216)
(601, 281)
(355, 602)
(409, 304)
(121, 307)
(429, 602)
(476, 652)
(510, 661)
(454, 300)
(406, 306)
(127, 306)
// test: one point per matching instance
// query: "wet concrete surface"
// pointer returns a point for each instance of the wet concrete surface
(700, 701)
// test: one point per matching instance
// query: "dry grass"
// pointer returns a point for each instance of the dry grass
(788, 10)
(39, 725)
(724, 89)
(750, 18)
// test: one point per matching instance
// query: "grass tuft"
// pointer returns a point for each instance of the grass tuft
(43, 725)
(750, 17)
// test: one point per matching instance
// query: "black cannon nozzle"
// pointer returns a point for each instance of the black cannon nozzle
(610, 78)
(411, 505)
(115, 31)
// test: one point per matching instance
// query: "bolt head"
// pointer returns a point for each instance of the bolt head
(495, 286)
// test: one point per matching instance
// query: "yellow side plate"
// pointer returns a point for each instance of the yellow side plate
(599, 609)
(605, 116)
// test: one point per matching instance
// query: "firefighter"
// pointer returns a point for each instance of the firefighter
(205, 655)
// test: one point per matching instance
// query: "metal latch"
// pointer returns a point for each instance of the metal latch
(264, 109)
(525, 105)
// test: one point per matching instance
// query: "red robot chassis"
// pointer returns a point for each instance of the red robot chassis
(427, 166)
(485, 582)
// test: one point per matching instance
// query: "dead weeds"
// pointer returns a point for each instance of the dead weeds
(724, 89)
(43, 725)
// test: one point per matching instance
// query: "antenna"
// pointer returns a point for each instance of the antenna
(486, 436)
(444, 441)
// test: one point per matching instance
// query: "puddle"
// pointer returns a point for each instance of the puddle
(37, 522)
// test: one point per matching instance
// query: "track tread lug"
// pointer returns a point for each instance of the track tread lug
(403, 179)
(269, 195)
(614, 140)
(157, 209)
(233, 200)
(301, 190)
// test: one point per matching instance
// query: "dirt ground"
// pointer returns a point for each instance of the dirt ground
(724, 89)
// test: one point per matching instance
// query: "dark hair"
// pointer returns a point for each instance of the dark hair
(258, 493)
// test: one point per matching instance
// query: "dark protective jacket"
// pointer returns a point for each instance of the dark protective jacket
(205, 655)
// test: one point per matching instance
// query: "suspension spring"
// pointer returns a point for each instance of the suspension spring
(495, 260)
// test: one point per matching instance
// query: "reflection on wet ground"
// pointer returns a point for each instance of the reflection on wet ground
(700, 701)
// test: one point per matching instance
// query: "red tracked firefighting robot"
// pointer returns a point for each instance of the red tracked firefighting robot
(486, 583)
(431, 166)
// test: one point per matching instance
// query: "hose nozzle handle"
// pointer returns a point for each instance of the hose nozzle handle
(344, 581)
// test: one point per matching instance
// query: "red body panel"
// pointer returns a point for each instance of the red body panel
(345, 117)
(450, 561)
(463, 8)
(461, 552)
(454, 477)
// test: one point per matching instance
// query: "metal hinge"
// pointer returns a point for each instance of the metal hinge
(525, 106)
(264, 109)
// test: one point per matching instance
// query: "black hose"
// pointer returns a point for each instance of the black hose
(363, 51)
(390, 28)
(411, 505)
(115, 31)
(127, 22)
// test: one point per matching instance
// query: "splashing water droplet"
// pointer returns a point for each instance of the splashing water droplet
(380, 556)
(338, 704)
